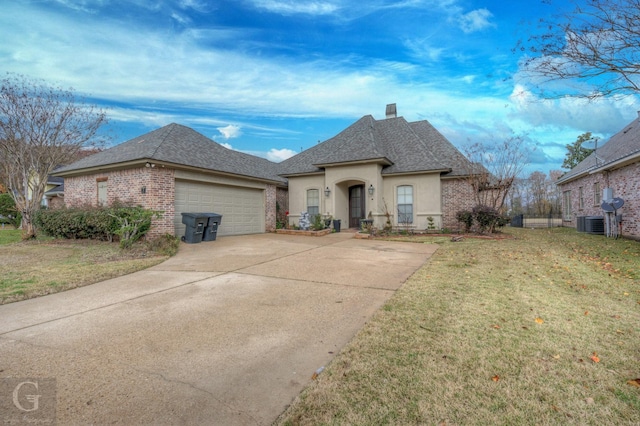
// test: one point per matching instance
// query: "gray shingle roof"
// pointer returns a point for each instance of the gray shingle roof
(623, 144)
(180, 145)
(401, 146)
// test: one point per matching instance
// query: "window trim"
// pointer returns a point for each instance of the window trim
(566, 205)
(597, 195)
(100, 181)
(308, 192)
(402, 216)
(580, 198)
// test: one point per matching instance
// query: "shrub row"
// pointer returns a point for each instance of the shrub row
(124, 223)
(486, 219)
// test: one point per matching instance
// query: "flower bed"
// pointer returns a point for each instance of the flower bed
(321, 233)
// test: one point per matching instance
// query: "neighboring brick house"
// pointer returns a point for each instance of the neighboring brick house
(175, 169)
(374, 167)
(379, 169)
(614, 168)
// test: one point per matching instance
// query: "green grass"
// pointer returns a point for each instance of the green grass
(8, 236)
(34, 268)
(496, 332)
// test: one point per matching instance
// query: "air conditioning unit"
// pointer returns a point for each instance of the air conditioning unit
(594, 225)
(580, 224)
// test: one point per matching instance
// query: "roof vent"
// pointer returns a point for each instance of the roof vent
(391, 111)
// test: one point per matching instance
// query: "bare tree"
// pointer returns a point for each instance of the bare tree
(41, 127)
(597, 46)
(492, 170)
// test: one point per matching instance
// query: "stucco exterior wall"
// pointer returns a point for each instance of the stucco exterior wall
(127, 186)
(340, 178)
(298, 187)
(426, 200)
(427, 194)
(625, 183)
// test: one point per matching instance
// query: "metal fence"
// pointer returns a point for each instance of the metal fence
(522, 221)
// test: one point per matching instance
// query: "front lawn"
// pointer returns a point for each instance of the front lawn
(34, 268)
(9, 235)
(540, 329)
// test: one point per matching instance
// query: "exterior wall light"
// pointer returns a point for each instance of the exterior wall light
(327, 191)
(371, 189)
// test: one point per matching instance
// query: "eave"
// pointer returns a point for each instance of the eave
(380, 160)
(144, 161)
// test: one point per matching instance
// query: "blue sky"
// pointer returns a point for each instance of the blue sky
(272, 77)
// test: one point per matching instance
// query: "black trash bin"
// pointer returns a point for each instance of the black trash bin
(195, 224)
(336, 225)
(211, 230)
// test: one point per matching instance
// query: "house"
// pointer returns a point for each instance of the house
(612, 170)
(54, 192)
(391, 169)
(175, 169)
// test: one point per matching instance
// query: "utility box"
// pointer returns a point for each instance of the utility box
(195, 225)
(211, 230)
(594, 225)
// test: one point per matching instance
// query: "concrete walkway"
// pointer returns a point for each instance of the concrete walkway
(227, 332)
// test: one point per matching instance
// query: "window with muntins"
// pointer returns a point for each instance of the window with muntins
(566, 205)
(405, 204)
(313, 202)
(580, 198)
(102, 192)
(596, 194)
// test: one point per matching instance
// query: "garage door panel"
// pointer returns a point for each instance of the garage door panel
(242, 209)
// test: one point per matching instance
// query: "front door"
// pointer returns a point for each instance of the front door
(356, 205)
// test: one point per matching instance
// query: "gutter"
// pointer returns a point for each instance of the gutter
(620, 162)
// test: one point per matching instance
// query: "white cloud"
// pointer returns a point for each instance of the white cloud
(226, 145)
(229, 132)
(476, 20)
(290, 7)
(277, 155)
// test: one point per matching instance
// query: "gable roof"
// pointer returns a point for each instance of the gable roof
(400, 146)
(621, 149)
(180, 145)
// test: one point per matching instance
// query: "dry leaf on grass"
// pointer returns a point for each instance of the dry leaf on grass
(634, 382)
(595, 358)
(539, 320)
(495, 378)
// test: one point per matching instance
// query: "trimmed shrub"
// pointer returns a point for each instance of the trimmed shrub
(466, 218)
(126, 223)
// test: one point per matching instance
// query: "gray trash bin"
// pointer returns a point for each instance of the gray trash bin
(211, 230)
(195, 225)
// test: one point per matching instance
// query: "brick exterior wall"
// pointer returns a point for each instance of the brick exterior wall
(126, 186)
(270, 208)
(457, 195)
(55, 202)
(625, 183)
(282, 198)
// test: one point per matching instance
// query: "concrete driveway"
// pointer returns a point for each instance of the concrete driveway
(226, 332)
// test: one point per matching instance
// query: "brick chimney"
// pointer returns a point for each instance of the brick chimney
(391, 111)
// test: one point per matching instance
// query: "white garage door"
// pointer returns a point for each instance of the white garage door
(242, 209)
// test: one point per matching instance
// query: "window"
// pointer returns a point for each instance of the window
(566, 205)
(405, 204)
(313, 202)
(580, 199)
(102, 192)
(596, 194)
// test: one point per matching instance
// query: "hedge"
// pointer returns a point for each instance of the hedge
(124, 223)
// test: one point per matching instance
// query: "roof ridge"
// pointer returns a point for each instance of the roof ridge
(170, 127)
